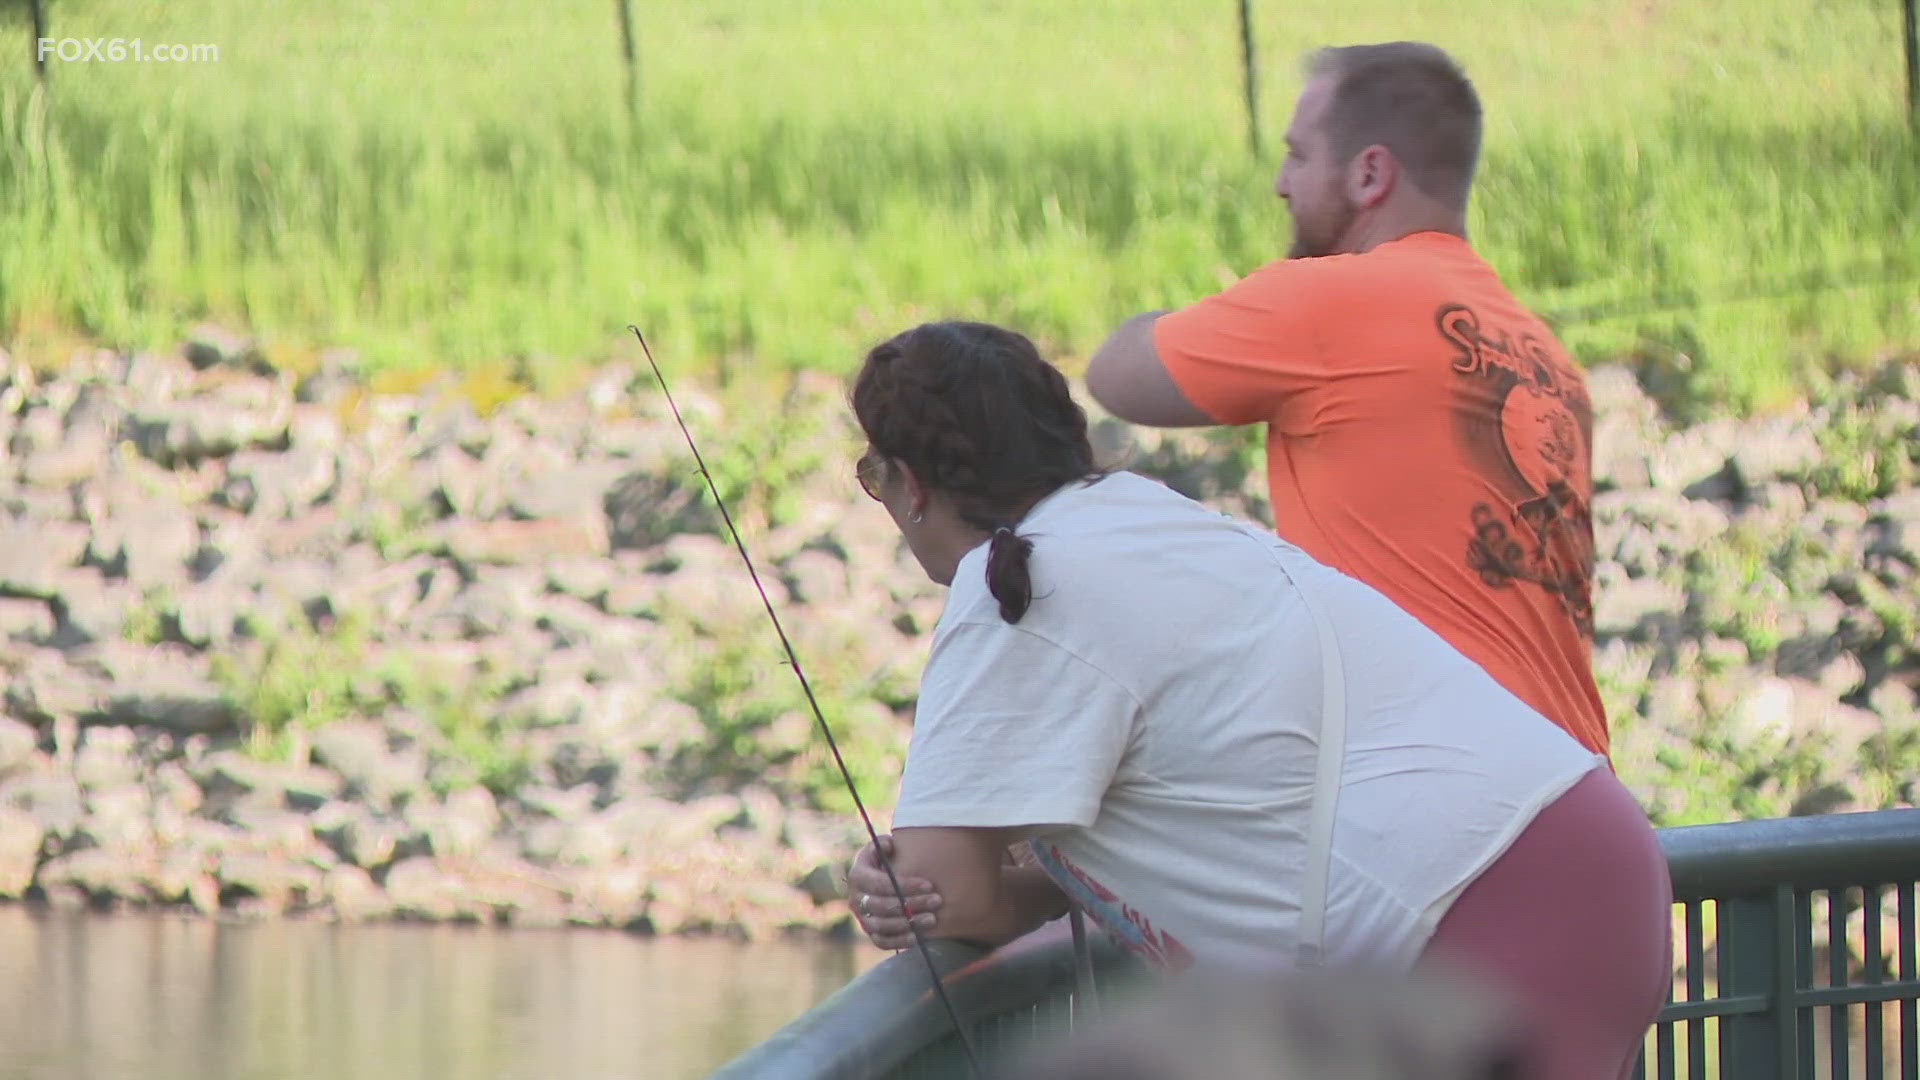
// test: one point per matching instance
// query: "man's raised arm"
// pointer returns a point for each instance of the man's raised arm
(1128, 379)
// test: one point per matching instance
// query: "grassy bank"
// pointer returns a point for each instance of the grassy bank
(444, 183)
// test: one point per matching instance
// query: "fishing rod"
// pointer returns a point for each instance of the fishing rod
(793, 661)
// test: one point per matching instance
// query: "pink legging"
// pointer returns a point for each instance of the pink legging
(1574, 922)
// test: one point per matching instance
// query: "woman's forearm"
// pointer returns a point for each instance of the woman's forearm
(1025, 899)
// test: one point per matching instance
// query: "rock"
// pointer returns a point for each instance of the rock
(18, 746)
(53, 800)
(26, 620)
(451, 421)
(148, 543)
(823, 884)
(568, 806)
(1833, 798)
(418, 888)
(813, 576)
(183, 433)
(550, 703)
(459, 486)
(575, 624)
(1841, 676)
(39, 554)
(212, 615)
(358, 751)
(228, 778)
(313, 536)
(1693, 455)
(504, 887)
(1766, 713)
(87, 609)
(511, 542)
(462, 825)
(634, 596)
(489, 606)
(334, 382)
(274, 883)
(278, 485)
(74, 460)
(162, 686)
(586, 579)
(106, 759)
(611, 895)
(1782, 448)
(362, 839)
(1725, 486)
(1628, 608)
(172, 787)
(643, 510)
(353, 897)
(569, 491)
(211, 346)
(43, 687)
(21, 837)
(231, 552)
(104, 875)
(120, 818)
(37, 429)
(1894, 526)
(153, 377)
(666, 725)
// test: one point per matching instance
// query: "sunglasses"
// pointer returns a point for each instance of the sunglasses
(867, 471)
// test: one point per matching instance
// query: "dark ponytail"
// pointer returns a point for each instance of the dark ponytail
(976, 412)
(1009, 578)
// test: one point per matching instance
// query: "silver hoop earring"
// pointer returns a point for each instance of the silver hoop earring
(916, 517)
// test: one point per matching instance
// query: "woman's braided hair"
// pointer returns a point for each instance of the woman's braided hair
(973, 410)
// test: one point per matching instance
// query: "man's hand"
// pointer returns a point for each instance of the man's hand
(876, 907)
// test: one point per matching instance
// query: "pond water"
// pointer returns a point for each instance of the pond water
(168, 997)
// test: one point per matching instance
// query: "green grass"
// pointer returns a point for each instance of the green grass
(444, 183)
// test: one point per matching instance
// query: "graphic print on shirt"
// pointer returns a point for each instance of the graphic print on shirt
(1126, 925)
(1526, 424)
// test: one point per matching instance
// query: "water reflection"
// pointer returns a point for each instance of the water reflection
(157, 997)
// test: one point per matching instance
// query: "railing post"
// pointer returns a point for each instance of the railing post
(1757, 957)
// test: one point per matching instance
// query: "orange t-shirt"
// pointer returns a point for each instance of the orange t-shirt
(1426, 435)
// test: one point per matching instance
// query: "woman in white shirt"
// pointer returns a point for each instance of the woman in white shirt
(1225, 752)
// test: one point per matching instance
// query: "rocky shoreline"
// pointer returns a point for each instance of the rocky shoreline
(276, 645)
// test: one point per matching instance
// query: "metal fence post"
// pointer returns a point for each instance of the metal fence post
(1757, 957)
(632, 56)
(1912, 35)
(39, 10)
(1247, 64)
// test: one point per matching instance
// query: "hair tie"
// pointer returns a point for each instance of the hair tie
(1004, 530)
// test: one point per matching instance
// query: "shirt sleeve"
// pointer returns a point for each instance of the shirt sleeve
(1012, 730)
(1239, 354)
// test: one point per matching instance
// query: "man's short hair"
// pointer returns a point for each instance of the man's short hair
(1411, 98)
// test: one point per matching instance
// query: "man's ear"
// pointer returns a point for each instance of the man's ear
(1371, 176)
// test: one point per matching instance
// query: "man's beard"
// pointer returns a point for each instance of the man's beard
(1313, 243)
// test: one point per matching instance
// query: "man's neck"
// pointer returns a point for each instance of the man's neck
(1385, 229)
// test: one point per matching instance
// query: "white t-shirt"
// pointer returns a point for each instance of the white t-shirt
(1154, 722)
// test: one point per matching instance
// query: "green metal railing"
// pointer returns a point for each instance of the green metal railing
(1768, 944)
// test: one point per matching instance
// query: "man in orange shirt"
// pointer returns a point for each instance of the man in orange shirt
(1426, 434)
